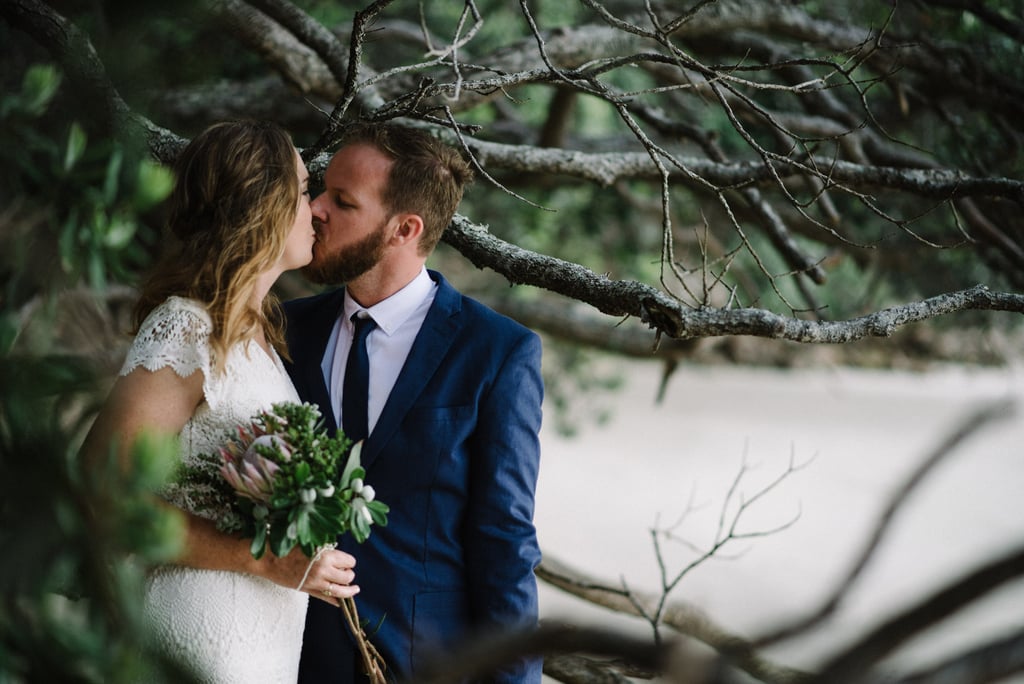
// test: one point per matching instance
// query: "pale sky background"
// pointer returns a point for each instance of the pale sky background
(859, 433)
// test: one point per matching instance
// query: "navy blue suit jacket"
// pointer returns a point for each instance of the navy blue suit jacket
(455, 454)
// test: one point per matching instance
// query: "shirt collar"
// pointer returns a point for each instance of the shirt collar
(392, 312)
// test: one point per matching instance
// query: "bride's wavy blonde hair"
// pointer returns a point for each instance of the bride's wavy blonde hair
(230, 213)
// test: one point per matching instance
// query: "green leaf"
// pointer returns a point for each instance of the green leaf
(97, 271)
(353, 462)
(120, 232)
(8, 332)
(110, 182)
(324, 529)
(282, 500)
(163, 535)
(259, 542)
(302, 473)
(379, 513)
(361, 528)
(280, 542)
(155, 458)
(326, 511)
(66, 241)
(38, 88)
(153, 183)
(75, 147)
(302, 526)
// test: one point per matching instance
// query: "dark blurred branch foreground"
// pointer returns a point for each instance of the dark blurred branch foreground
(804, 171)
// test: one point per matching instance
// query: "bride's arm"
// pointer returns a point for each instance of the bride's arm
(161, 402)
(157, 402)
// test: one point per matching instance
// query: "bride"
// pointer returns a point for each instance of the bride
(204, 360)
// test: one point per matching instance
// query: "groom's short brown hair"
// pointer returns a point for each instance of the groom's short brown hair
(427, 176)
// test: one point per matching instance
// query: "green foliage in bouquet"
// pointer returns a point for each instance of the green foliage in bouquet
(285, 485)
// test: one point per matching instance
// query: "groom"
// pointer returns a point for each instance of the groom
(453, 409)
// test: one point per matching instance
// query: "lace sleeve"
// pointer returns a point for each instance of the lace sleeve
(176, 334)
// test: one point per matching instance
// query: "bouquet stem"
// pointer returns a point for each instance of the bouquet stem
(372, 660)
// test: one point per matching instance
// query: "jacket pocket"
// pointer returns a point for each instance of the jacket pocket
(440, 430)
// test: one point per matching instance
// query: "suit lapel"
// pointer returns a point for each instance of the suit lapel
(428, 350)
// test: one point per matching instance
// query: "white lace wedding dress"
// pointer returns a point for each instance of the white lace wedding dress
(231, 627)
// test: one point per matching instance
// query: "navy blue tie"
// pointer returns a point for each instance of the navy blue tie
(357, 382)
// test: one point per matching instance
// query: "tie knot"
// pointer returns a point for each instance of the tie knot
(363, 324)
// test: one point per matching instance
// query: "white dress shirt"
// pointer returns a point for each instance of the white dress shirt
(399, 319)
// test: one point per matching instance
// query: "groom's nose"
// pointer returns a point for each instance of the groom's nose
(318, 207)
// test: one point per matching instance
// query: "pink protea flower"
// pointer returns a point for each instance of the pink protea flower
(280, 446)
(250, 473)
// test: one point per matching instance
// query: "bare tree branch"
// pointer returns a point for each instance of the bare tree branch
(582, 326)
(990, 662)
(295, 61)
(852, 663)
(680, 616)
(360, 26)
(665, 314)
(482, 654)
(607, 168)
(577, 669)
(268, 97)
(76, 55)
(1013, 29)
(310, 34)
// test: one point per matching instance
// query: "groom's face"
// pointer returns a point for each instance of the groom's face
(353, 227)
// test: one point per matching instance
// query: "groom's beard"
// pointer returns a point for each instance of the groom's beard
(348, 263)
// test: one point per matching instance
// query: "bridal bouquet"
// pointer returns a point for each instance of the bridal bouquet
(280, 481)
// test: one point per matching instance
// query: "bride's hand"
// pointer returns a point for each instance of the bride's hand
(329, 578)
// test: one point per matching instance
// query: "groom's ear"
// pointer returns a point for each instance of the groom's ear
(409, 229)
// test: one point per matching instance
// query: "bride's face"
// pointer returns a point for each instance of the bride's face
(298, 247)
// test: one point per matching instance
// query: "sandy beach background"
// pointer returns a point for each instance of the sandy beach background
(857, 434)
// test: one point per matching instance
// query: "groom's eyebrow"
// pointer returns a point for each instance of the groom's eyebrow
(345, 194)
(334, 187)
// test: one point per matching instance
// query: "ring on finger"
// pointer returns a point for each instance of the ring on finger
(328, 592)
